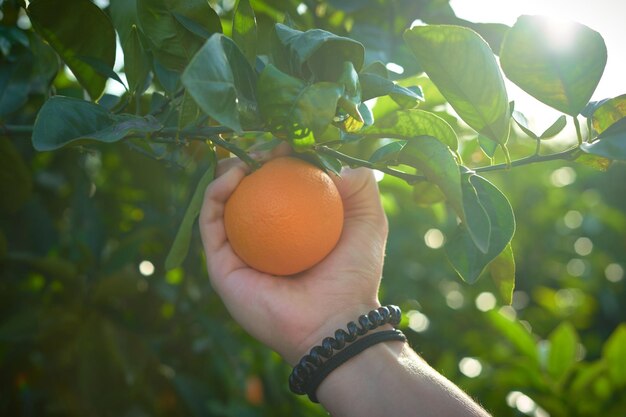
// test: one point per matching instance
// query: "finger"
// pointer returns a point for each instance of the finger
(220, 257)
(283, 149)
(359, 190)
(227, 164)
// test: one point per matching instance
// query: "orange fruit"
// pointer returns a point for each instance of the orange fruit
(284, 217)
(254, 390)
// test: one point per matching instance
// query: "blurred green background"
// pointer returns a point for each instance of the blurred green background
(92, 324)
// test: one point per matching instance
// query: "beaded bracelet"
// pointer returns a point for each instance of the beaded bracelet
(344, 355)
(308, 367)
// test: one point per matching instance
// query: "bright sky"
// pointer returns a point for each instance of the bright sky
(604, 16)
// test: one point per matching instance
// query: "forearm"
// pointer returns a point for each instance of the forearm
(391, 379)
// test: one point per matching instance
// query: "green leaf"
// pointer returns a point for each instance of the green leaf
(462, 251)
(177, 29)
(373, 85)
(586, 375)
(277, 92)
(436, 162)
(611, 143)
(596, 162)
(351, 98)
(221, 81)
(65, 120)
(124, 16)
(426, 194)
(408, 124)
(329, 163)
(554, 129)
(244, 30)
(103, 69)
(315, 52)
(290, 106)
(515, 333)
(522, 123)
(493, 33)
(613, 353)
(476, 221)
(388, 152)
(488, 146)
(15, 82)
(464, 69)
(608, 113)
(561, 70)
(16, 183)
(502, 270)
(55, 21)
(192, 26)
(316, 105)
(366, 114)
(180, 246)
(376, 68)
(562, 354)
(189, 112)
(136, 61)
(168, 79)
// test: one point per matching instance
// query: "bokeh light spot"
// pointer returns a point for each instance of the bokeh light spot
(146, 268)
(485, 301)
(302, 9)
(576, 267)
(455, 299)
(393, 67)
(573, 219)
(614, 272)
(434, 238)
(470, 367)
(583, 246)
(418, 322)
(563, 176)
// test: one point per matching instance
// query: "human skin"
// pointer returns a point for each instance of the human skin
(292, 314)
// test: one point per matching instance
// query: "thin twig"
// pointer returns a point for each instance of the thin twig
(578, 131)
(352, 161)
(567, 155)
(18, 129)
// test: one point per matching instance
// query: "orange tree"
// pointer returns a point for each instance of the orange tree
(104, 312)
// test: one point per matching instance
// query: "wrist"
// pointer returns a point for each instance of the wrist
(328, 326)
(346, 342)
(368, 367)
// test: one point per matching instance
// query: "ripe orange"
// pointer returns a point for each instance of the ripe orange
(285, 217)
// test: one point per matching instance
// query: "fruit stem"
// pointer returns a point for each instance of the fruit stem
(212, 134)
(240, 153)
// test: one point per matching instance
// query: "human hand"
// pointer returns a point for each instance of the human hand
(292, 314)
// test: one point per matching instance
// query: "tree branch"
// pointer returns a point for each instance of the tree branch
(20, 129)
(351, 161)
(567, 155)
(210, 133)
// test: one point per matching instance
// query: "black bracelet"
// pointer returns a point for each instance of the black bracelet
(309, 364)
(349, 352)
